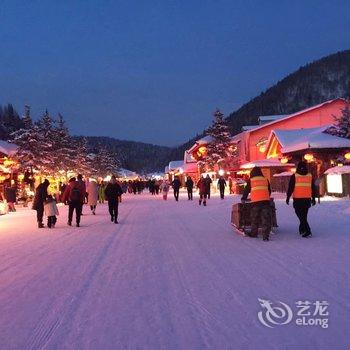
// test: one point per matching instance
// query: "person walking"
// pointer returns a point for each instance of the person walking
(202, 187)
(152, 184)
(124, 187)
(208, 182)
(10, 196)
(189, 186)
(50, 211)
(93, 192)
(157, 187)
(259, 188)
(74, 195)
(222, 185)
(230, 185)
(176, 184)
(112, 192)
(302, 187)
(101, 192)
(39, 200)
(164, 187)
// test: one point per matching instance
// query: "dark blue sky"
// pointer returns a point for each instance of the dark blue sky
(155, 70)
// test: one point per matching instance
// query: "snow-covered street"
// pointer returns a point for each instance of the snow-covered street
(170, 276)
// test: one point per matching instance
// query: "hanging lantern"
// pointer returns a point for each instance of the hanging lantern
(284, 160)
(347, 156)
(221, 172)
(202, 150)
(8, 162)
(309, 157)
(262, 149)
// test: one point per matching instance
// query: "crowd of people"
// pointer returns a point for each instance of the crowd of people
(75, 194)
(78, 192)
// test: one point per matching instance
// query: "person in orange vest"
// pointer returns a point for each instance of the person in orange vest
(259, 188)
(302, 187)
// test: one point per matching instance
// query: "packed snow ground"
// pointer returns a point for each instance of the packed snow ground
(170, 276)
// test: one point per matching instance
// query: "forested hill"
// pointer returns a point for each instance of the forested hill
(314, 83)
(135, 156)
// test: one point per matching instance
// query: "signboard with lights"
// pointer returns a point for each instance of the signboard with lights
(334, 183)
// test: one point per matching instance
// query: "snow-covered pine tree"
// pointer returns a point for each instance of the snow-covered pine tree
(341, 127)
(27, 120)
(64, 150)
(105, 162)
(82, 162)
(218, 147)
(28, 141)
(47, 161)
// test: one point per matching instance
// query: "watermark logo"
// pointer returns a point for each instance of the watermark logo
(274, 315)
(306, 313)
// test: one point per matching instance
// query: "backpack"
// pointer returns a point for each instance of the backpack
(75, 194)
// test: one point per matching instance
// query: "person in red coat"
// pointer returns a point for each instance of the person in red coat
(74, 194)
(203, 193)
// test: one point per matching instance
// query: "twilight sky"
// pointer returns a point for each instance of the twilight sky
(154, 71)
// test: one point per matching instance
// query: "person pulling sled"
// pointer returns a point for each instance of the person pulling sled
(259, 188)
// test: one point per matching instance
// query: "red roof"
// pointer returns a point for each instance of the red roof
(298, 113)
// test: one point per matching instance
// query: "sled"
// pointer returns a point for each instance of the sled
(240, 217)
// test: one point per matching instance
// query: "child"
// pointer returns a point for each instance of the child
(51, 210)
(165, 189)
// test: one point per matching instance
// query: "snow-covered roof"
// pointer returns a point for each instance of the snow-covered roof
(285, 173)
(7, 148)
(338, 170)
(265, 163)
(249, 127)
(269, 118)
(204, 140)
(311, 138)
(126, 173)
(155, 175)
(176, 164)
